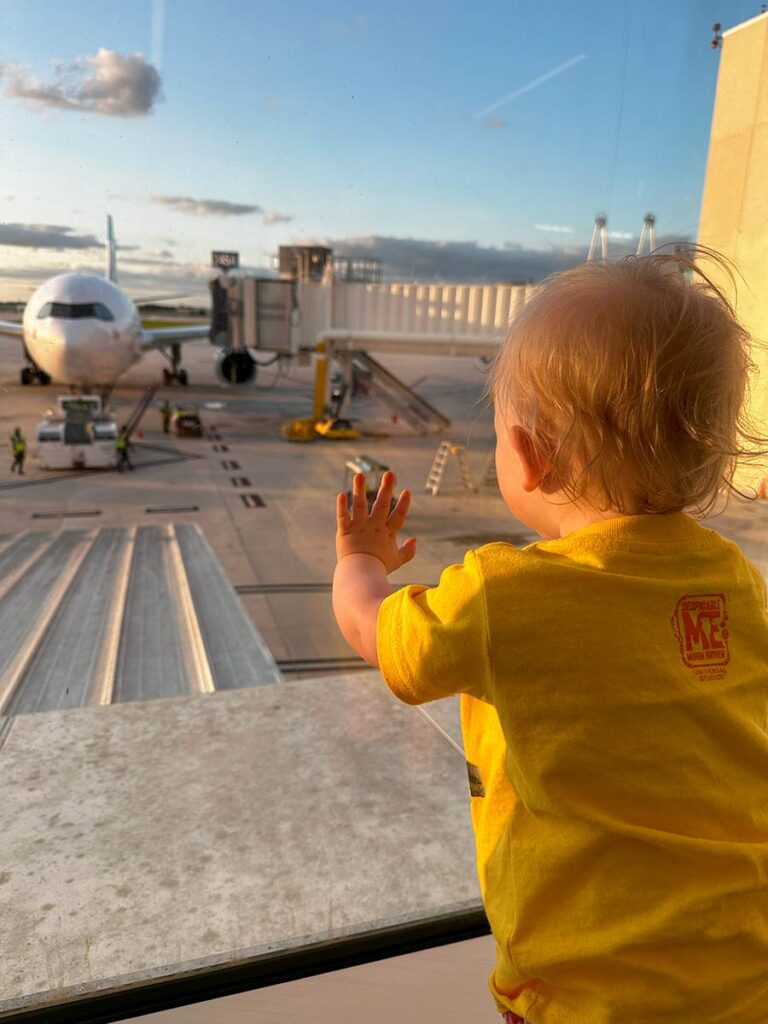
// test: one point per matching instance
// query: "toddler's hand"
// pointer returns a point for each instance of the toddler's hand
(374, 534)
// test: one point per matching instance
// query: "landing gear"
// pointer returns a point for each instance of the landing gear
(180, 376)
(177, 372)
(30, 374)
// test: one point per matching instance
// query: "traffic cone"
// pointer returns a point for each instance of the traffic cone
(762, 490)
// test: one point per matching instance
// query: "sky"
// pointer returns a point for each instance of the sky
(467, 142)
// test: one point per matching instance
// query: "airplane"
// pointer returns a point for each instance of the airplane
(86, 332)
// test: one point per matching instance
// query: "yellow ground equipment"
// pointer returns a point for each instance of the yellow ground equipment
(336, 429)
(320, 423)
(300, 430)
(330, 427)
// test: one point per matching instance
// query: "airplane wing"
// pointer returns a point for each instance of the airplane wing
(11, 329)
(164, 336)
(140, 300)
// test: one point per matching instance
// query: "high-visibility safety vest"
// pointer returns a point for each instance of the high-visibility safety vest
(121, 444)
(19, 446)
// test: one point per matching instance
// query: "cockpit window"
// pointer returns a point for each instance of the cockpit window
(75, 311)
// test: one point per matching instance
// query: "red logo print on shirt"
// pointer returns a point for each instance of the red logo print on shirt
(700, 625)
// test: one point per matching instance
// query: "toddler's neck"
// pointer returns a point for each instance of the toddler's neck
(576, 516)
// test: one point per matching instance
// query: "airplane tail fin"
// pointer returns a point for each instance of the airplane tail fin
(111, 269)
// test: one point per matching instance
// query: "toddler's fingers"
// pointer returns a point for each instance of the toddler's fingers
(383, 498)
(359, 501)
(343, 518)
(400, 511)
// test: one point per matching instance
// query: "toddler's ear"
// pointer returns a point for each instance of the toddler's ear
(533, 465)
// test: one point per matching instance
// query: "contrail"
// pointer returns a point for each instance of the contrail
(158, 32)
(532, 85)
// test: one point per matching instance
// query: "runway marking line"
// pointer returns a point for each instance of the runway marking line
(253, 501)
(173, 508)
(66, 514)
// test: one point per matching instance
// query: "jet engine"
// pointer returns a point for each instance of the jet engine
(235, 367)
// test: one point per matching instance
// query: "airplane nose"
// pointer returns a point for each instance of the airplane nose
(82, 352)
(78, 341)
(90, 353)
(48, 347)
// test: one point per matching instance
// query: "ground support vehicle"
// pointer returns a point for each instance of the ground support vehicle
(80, 434)
(187, 424)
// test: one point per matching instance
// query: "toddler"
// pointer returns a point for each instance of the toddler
(614, 675)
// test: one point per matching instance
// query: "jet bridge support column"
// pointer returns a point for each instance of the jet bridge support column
(324, 350)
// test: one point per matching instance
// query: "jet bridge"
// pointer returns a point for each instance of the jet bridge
(293, 319)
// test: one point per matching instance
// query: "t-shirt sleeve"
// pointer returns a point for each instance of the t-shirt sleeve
(432, 642)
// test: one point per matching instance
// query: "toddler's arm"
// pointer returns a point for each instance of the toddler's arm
(367, 551)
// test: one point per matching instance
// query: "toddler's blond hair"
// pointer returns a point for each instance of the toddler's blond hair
(631, 379)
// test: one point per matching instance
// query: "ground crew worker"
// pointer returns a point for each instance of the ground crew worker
(19, 449)
(165, 412)
(121, 444)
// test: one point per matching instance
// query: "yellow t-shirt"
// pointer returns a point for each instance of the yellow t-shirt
(615, 701)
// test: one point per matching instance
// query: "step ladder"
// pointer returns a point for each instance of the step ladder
(437, 472)
(489, 476)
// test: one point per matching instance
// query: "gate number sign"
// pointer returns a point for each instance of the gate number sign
(225, 260)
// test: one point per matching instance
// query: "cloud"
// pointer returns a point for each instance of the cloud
(108, 83)
(205, 207)
(276, 218)
(559, 229)
(45, 236)
(465, 262)
(18, 283)
(187, 279)
(468, 262)
(161, 258)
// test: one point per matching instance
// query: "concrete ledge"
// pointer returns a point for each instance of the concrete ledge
(149, 839)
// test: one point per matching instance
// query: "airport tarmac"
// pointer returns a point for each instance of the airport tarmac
(180, 815)
(290, 539)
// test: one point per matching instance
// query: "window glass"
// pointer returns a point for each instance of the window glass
(77, 311)
(355, 199)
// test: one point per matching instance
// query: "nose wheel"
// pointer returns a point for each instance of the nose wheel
(30, 374)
